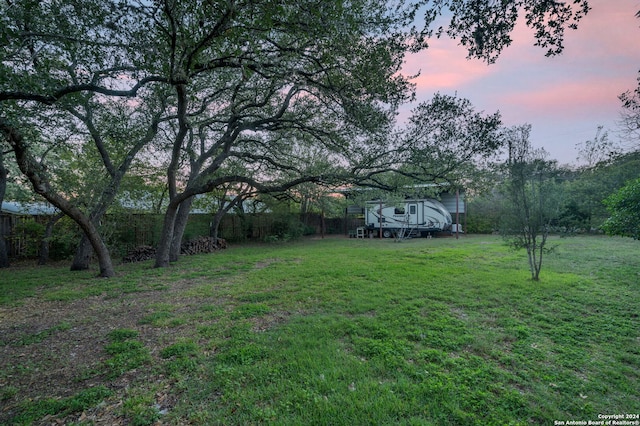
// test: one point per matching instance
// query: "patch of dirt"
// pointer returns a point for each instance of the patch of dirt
(269, 321)
(51, 349)
(265, 263)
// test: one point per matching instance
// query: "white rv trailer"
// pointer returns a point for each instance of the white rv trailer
(419, 217)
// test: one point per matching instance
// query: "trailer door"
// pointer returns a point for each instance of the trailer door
(412, 213)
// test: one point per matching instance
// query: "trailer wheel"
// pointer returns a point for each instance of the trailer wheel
(387, 233)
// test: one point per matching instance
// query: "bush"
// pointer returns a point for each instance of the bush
(484, 214)
(31, 231)
(624, 207)
(286, 228)
(479, 225)
(63, 240)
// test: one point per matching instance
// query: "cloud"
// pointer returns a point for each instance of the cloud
(585, 97)
(444, 66)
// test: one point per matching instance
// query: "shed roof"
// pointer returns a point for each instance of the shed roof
(28, 209)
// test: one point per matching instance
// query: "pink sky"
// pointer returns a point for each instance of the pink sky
(564, 98)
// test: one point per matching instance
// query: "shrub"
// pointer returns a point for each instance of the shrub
(624, 207)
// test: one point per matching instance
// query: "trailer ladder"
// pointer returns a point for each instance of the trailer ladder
(405, 231)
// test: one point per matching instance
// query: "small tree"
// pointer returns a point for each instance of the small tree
(624, 206)
(531, 201)
(630, 123)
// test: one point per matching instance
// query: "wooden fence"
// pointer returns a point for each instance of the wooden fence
(14, 230)
(127, 231)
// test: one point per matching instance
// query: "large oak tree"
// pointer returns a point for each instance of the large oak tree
(231, 80)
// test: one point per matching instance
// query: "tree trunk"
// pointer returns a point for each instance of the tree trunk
(215, 227)
(164, 246)
(36, 175)
(4, 254)
(179, 226)
(104, 258)
(94, 237)
(224, 209)
(82, 258)
(43, 258)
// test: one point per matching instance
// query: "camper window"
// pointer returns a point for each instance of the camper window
(412, 209)
(399, 210)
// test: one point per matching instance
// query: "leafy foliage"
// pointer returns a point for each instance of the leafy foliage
(585, 191)
(484, 27)
(624, 207)
(446, 138)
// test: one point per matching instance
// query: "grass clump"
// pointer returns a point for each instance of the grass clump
(126, 353)
(140, 410)
(30, 411)
(249, 310)
(181, 358)
(180, 350)
(29, 339)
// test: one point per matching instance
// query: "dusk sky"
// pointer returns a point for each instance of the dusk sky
(564, 98)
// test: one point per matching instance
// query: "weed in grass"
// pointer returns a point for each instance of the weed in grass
(27, 281)
(125, 356)
(202, 291)
(199, 416)
(391, 350)
(163, 316)
(12, 295)
(179, 367)
(428, 331)
(176, 322)
(210, 331)
(8, 392)
(67, 294)
(243, 355)
(209, 312)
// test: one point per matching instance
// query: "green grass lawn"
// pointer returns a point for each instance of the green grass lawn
(339, 332)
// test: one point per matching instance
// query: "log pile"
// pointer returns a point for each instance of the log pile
(195, 246)
(139, 254)
(203, 245)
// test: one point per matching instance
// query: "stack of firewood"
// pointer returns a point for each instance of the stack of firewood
(203, 245)
(195, 246)
(139, 254)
